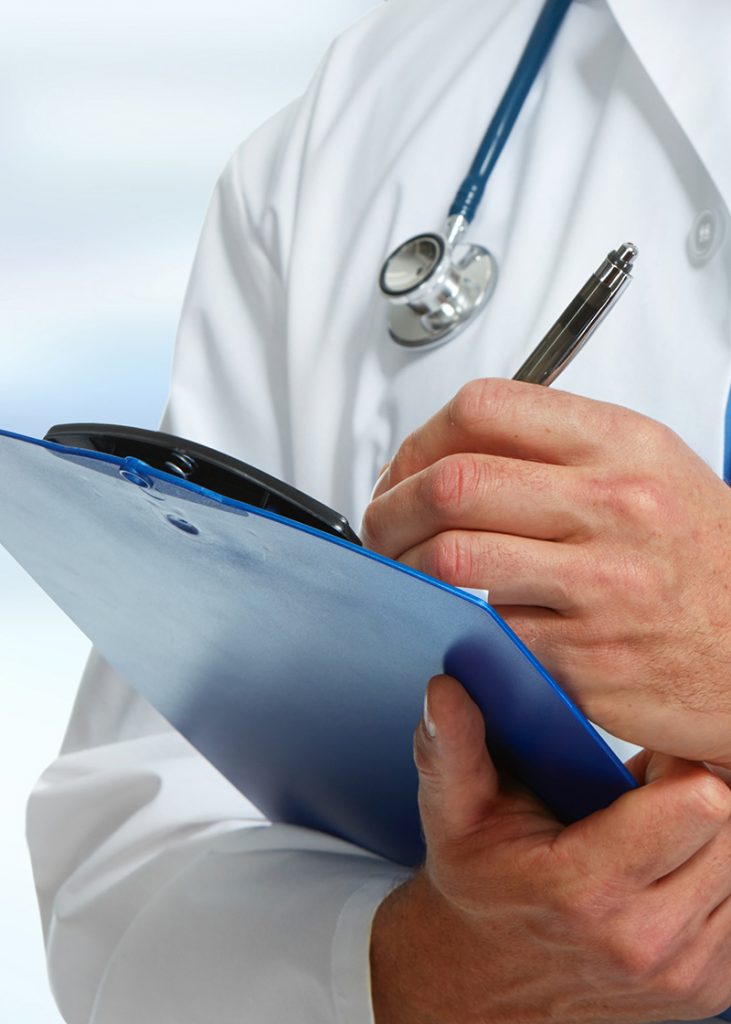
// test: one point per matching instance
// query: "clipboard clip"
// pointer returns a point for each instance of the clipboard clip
(204, 467)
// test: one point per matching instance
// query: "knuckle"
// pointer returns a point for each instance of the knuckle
(632, 575)
(638, 952)
(449, 558)
(645, 500)
(609, 574)
(477, 402)
(686, 984)
(631, 498)
(567, 576)
(652, 437)
(450, 482)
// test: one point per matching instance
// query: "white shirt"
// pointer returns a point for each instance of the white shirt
(165, 897)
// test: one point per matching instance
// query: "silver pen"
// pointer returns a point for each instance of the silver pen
(580, 318)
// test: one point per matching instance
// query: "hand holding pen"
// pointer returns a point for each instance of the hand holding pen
(577, 515)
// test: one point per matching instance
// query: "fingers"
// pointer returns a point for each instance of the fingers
(460, 798)
(706, 876)
(703, 883)
(652, 831)
(475, 492)
(508, 418)
(457, 779)
(481, 521)
(516, 571)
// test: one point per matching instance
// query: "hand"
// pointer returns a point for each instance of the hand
(624, 916)
(604, 540)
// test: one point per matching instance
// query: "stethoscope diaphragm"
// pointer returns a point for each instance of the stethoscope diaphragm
(435, 288)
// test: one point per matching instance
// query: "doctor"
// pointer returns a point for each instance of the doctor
(602, 535)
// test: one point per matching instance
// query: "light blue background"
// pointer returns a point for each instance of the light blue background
(115, 120)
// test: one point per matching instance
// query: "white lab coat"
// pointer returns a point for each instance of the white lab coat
(164, 896)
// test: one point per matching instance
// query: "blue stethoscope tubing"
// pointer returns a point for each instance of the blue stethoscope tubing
(434, 282)
(498, 131)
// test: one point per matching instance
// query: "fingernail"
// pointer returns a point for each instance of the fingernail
(381, 479)
(431, 729)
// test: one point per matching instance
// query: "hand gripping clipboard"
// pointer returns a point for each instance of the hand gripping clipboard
(293, 659)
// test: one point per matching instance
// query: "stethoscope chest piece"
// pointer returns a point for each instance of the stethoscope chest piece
(435, 288)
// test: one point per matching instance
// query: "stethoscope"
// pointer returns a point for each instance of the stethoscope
(435, 283)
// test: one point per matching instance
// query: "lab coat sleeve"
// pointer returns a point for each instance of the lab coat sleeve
(164, 895)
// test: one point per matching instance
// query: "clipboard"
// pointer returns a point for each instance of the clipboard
(294, 660)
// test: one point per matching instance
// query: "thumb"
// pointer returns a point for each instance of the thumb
(458, 783)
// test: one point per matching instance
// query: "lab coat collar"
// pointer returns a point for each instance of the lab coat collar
(684, 46)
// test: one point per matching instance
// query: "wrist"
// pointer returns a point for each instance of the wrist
(419, 952)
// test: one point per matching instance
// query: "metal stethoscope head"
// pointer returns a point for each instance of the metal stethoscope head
(435, 286)
(435, 283)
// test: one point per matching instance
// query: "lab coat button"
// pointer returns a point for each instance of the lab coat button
(705, 237)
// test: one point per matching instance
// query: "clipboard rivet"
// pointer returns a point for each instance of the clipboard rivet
(138, 479)
(183, 524)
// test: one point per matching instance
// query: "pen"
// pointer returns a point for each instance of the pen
(580, 318)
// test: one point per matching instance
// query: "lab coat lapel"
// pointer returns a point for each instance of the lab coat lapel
(685, 47)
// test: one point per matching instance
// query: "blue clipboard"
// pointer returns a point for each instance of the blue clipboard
(294, 661)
